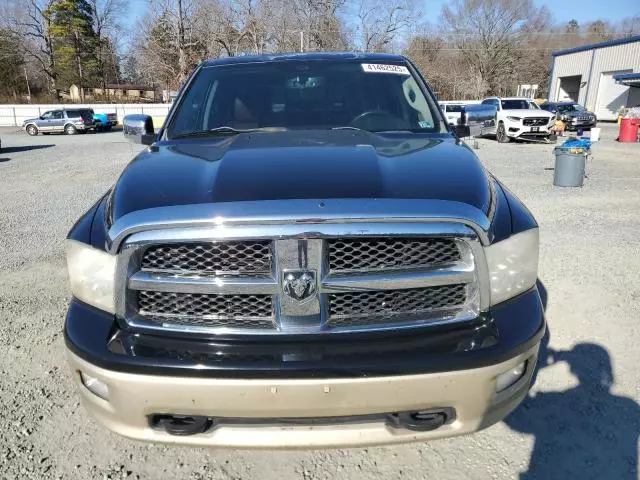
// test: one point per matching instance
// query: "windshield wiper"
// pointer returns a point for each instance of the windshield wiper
(225, 130)
(395, 131)
(348, 127)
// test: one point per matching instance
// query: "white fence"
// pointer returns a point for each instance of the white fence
(14, 115)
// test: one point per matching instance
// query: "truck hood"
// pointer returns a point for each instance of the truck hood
(300, 165)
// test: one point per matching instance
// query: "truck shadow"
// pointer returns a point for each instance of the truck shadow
(584, 432)
(25, 148)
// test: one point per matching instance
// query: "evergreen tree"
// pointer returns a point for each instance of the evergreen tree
(75, 42)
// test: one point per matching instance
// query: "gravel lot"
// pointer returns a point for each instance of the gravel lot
(590, 264)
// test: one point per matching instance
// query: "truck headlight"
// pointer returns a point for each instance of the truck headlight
(513, 265)
(514, 119)
(91, 274)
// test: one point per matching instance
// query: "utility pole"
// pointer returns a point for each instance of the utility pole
(26, 77)
(301, 41)
(80, 78)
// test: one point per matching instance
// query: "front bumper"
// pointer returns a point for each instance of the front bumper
(297, 413)
(328, 399)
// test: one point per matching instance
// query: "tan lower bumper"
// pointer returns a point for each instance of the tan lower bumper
(134, 397)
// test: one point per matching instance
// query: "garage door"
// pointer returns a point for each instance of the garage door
(611, 96)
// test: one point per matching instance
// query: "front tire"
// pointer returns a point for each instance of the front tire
(70, 130)
(501, 134)
(32, 130)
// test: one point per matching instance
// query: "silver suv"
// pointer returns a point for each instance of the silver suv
(66, 121)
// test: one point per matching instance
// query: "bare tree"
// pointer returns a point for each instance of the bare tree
(106, 15)
(381, 21)
(31, 21)
(486, 34)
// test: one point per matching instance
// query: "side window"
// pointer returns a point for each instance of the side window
(57, 115)
(47, 115)
(495, 102)
(486, 102)
(418, 103)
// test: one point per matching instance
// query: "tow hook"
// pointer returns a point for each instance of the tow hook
(181, 425)
(421, 420)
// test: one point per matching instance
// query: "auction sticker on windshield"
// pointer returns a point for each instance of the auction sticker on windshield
(382, 68)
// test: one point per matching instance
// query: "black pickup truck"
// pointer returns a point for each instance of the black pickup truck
(305, 255)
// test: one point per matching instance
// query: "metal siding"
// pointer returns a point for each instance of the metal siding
(610, 59)
(568, 66)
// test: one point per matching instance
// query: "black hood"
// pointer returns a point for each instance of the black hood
(301, 165)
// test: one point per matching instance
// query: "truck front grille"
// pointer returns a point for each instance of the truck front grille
(392, 306)
(228, 258)
(535, 121)
(307, 282)
(358, 254)
(236, 311)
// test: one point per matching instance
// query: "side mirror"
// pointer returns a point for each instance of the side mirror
(41, 117)
(462, 131)
(138, 128)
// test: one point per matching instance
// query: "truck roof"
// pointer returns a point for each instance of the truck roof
(371, 57)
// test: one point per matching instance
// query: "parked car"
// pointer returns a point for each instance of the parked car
(69, 121)
(452, 111)
(519, 118)
(307, 255)
(573, 115)
(104, 121)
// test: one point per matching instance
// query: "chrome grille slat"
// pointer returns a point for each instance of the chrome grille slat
(236, 258)
(163, 282)
(367, 254)
(394, 280)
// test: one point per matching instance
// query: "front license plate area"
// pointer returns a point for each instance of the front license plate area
(535, 129)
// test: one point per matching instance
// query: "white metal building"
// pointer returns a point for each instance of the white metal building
(597, 76)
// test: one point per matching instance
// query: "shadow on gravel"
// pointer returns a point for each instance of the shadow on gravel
(24, 148)
(585, 432)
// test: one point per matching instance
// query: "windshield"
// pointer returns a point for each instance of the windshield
(571, 108)
(517, 105)
(305, 95)
(454, 108)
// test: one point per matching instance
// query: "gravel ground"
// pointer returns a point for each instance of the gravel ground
(581, 420)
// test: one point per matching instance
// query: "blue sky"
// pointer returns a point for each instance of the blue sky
(562, 10)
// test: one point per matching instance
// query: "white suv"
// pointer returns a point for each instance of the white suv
(519, 118)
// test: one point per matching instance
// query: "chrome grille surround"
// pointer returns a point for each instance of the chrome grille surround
(304, 245)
